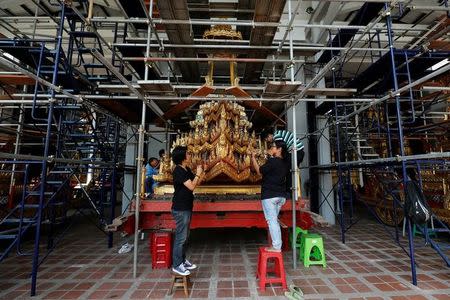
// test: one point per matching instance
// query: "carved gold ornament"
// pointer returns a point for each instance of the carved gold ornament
(220, 141)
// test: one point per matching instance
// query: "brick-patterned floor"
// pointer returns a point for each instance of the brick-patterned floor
(368, 266)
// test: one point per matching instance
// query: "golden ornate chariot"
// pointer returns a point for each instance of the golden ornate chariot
(219, 136)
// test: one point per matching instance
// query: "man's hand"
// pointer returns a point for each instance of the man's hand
(199, 170)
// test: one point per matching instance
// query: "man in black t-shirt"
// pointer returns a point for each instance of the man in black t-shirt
(273, 188)
(184, 183)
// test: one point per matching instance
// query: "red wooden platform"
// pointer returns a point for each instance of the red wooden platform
(156, 214)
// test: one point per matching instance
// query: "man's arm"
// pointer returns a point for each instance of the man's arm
(192, 184)
(255, 164)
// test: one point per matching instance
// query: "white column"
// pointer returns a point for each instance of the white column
(156, 140)
(302, 130)
(325, 177)
(130, 172)
(327, 206)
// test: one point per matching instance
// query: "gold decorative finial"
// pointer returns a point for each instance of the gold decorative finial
(222, 32)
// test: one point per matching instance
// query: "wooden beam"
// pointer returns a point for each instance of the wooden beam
(253, 104)
(174, 111)
(16, 79)
(440, 45)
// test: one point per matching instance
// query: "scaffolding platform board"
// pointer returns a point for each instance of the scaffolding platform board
(156, 86)
(338, 92)
(277, 88)
(116, 88)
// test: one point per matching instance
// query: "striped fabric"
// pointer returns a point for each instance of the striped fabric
(288, 138)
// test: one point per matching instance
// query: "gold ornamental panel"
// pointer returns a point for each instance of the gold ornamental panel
(214, 189)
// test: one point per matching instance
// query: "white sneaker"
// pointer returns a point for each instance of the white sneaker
(181, 270)
(125, 248)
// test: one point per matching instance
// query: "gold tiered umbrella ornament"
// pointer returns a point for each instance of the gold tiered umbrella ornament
(227, 33)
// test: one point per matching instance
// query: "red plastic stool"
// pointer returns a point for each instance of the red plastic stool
(263, 269)
(273, 268)
(160, 248)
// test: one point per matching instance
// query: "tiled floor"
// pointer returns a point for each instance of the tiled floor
(368, 266)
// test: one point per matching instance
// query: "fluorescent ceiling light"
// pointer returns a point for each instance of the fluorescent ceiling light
(439, 65)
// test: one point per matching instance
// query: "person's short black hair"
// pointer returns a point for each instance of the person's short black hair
(179, 154)
(161, 152)
(281, 144)
(151, 159)
(265, 133)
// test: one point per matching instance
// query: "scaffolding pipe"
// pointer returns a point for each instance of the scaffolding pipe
(243, 47)
(374, 1)
(100, 37)
(114, 180)
(17, 145)
(429, 8)
(7, 63)
(289, 28)
(438, 72)
(217, 22)
(377, 161)
(401, 144)
(435, 88)
(173, 98)
(43, 179)
(36, 12)
(139, 166)
(90, 11)
(149, 36)
(153, 27)
(431, 30)
(294, 132)
(330, 65)
(43, 102)
(79, 98)
(239, 10)
(51, 158)
(19, 124)
(150, 103)
(339, 170)
(210, 59)
(112, 20)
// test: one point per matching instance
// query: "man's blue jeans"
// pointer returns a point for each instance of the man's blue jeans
(271, 209)
(183, 222)
(149, 184)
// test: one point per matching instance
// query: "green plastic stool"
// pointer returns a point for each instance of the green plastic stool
(298, 232)
(316, 254)
(300, 240)
(313, 241)
(431, 232)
